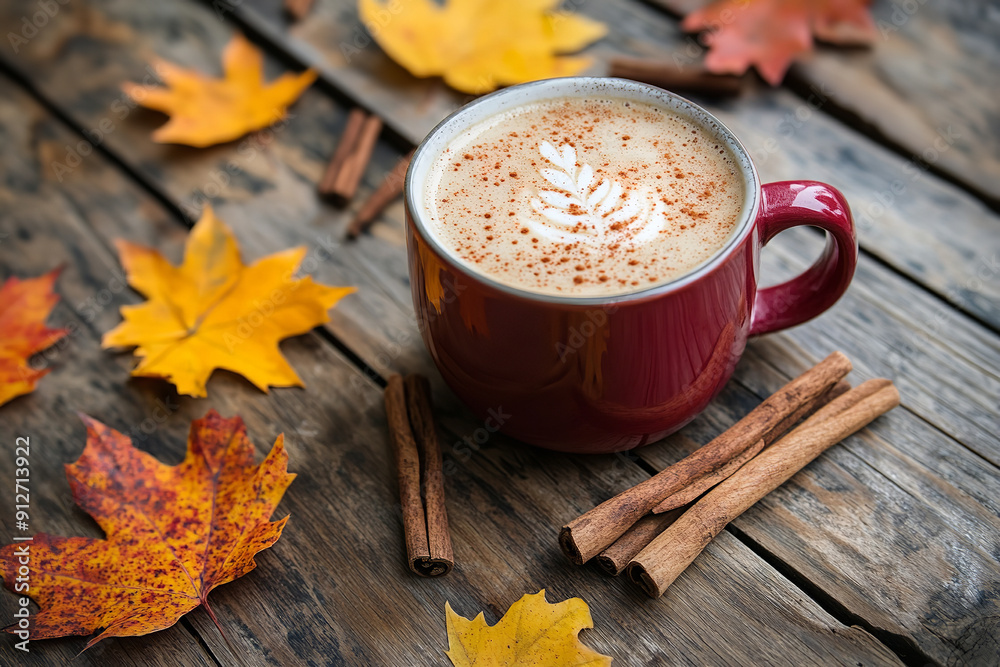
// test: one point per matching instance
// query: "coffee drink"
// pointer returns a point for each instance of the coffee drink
(584, 197)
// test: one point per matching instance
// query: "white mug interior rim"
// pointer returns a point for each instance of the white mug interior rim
(580, 87)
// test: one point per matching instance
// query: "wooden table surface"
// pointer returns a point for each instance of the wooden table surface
(885, 550)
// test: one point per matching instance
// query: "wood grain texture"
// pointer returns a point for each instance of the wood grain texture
(41, 227)
(665, 558)
(929, 77)
(276, 172)
(270, 203)
(911, 516)
(335, 589)
(899, 205)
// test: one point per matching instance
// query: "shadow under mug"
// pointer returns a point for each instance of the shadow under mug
(604, 374)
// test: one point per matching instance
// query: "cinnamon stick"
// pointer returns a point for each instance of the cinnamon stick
(670, 76)
(422, 531)
(614, 559)
(297, 9)
(390, 188)
(690, 493)
(347, 166)
(663, 560)
(441, 558)
(588, 535)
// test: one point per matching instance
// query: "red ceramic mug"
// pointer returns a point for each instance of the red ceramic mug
(603, 374)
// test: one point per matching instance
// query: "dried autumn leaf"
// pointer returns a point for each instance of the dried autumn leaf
(205, 111)
(24, 307)
(479, 45)
(770, 34)
(213, 311)
(533, 633)
(174, 533)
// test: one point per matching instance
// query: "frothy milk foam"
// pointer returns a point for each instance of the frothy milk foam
(584, 197)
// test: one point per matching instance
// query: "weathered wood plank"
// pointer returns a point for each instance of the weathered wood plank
(903, 344)
(279, 176)
(284, 200)
(334, 589)
(872, 528)
(899, 205)
(928, 76)
(931, 76)
(31, 210)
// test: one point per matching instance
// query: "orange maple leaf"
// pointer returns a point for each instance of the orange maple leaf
(24, 306)
(205, 111)
(213, 311)
(770, 34)
(174, 533)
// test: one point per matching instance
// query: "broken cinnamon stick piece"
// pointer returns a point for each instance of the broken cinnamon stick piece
(390, 188)
(349, 161)
(614, 559)
(669, 554)
(691, 493)
(668, 75)
(441, 558)
(297, 9)
(588, 535)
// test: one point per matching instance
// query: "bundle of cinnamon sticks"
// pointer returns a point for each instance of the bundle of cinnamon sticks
(656, 529)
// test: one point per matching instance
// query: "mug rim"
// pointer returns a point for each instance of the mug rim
(640, 92)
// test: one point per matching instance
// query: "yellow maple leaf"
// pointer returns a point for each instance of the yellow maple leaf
(205, 111)
(533, 633)
(479, 45)
(213, 311)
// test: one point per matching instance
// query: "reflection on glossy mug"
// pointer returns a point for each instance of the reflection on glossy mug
(606, 373)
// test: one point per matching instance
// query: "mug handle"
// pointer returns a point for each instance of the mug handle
(788, 204)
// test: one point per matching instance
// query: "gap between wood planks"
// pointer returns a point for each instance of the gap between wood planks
(803, 88)
(905, 648)
(938, 296)
(275, 43)
(902, 647)
(189, 627)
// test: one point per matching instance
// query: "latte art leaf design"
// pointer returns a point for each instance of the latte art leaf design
(583, 209)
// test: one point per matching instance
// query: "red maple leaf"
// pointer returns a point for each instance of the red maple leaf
(770, 34)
